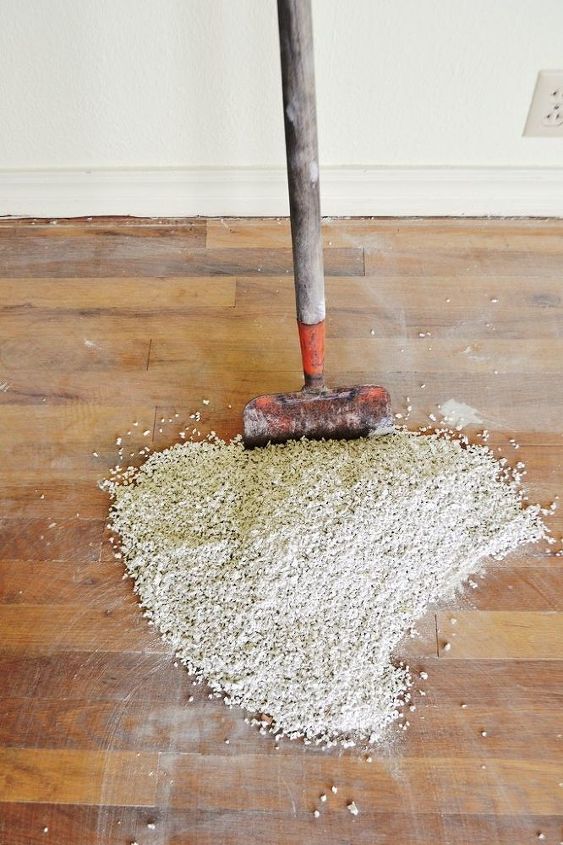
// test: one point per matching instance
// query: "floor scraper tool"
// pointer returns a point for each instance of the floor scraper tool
(315, 412)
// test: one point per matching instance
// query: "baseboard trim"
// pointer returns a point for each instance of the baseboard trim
(424, 191)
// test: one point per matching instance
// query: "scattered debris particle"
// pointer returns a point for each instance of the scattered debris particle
(483, 733)
(151, 825)
(424, 675)
(322, 797)
(146, 432)
(316, 814)
(353, 808)
(334, 789)
(447, 646)
(205, 401)
(372, 331)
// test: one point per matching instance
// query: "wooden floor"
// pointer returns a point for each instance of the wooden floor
(106, 323)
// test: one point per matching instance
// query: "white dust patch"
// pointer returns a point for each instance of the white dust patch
(286, 576)
(458, 413)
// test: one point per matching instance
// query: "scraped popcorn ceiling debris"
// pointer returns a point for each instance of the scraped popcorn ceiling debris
(287, 576)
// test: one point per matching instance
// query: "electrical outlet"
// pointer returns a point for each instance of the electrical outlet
(545, 118)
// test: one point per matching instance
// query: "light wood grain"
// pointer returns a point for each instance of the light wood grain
(513, 635)
(78, 777)
(389, 233)
(118, 295)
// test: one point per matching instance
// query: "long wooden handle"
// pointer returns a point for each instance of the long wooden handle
(300, 119)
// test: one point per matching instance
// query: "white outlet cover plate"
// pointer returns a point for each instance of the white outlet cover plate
(545, 118)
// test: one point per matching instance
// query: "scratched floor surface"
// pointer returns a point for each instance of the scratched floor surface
(109, 323)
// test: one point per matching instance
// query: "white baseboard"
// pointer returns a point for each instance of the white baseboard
(419, 191)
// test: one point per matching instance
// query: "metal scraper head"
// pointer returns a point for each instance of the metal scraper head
(342, 414)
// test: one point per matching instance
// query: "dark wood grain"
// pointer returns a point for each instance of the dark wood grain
(125, 256)
(107, 825)
(94, 675)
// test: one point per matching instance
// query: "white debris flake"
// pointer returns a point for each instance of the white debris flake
(353, 808)
(286, 576)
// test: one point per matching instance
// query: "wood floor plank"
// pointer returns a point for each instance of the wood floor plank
(120, 295)
(469, 261)
(48, 629)
(69, 345)
(45, 539)
(95, 674)
(522, 588)
(95, 251)
(440, 298)
(163, 257)
(502, 402)
(251, 782)
(24, 824)
(92, 825)
(434, 355)
(104, 226)
(77, 777)
(92, 584)
(389, 233)
(203, 726)
(61, 498)
(514, 684)
(116, 676)
(71, 441)
(513, 635)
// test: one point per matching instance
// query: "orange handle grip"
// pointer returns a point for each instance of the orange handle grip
(312, 341)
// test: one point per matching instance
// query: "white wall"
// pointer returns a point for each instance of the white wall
(195, 83)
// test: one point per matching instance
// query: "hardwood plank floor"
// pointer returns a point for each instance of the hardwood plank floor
(120, 328)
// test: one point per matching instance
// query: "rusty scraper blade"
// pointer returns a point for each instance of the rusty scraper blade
(342, 414)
